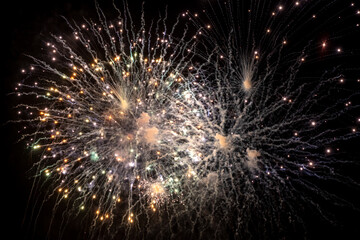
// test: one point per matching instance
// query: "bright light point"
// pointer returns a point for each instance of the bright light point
(150, 135)
(36, 147)
(157, 189)
(247, 84)
(222, 141)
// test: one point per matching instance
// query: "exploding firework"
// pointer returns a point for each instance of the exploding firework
(229, 129)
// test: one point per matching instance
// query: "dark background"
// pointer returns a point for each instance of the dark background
(24, 26)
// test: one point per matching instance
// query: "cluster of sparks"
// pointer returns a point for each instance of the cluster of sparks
(148, 127)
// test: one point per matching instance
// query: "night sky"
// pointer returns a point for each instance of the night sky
(26, 23)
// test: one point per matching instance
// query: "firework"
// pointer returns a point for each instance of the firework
(221, 130)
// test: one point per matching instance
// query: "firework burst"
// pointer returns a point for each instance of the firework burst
(222, 130)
